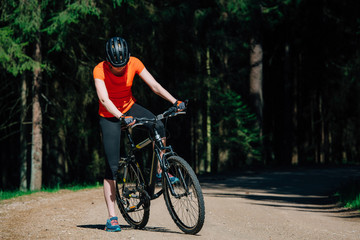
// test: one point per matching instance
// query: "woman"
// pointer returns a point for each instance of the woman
(113, 81)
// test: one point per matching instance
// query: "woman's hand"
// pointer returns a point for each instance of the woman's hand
(127, 120)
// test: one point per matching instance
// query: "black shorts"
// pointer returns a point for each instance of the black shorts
(111, 136)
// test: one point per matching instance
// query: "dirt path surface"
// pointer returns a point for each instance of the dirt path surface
(269, 205)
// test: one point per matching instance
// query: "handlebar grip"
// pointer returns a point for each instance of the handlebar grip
(169, 111)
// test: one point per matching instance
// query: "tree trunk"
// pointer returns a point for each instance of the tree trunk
(198, 128)
(36, 146)
(208, 115)
(193, 151)
(288, 110)
(223, 151)
(23, 142)
(295, 117)
(199, 142)
(256, 77)
(323, 140)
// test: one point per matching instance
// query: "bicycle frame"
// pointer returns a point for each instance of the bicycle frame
(158, 148)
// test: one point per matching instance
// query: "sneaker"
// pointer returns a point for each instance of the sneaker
(112, 225)
(173, 179)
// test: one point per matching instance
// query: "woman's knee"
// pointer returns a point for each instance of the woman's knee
(110, 172)
(159, 126)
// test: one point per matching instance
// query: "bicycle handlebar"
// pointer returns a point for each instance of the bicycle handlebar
(171, 112)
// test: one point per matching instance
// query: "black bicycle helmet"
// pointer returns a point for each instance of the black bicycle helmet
(117, 52)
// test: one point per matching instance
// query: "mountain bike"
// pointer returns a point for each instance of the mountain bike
(179, 184)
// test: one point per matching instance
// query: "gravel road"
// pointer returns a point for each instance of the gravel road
(265, 205)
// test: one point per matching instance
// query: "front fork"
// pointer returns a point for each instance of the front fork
(159, 147)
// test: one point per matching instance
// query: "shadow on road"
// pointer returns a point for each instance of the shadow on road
(99, 226)
(92, 226)
(128, 227)
(307, 189)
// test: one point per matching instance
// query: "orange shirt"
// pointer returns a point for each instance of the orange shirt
(119, 88)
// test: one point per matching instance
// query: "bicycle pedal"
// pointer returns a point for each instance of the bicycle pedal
(131, 209)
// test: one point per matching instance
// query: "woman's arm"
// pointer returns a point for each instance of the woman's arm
(155, 86)
(104, 98)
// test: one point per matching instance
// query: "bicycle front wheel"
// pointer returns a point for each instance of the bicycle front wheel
(186, 204)
(132, 199)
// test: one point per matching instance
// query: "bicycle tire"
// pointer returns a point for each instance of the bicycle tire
(132, 183)
(188, 212)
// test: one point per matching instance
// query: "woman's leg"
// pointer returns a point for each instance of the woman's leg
(111, 134)
(109, 194)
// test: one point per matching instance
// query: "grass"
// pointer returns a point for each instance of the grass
(13, 194)
(349, 194)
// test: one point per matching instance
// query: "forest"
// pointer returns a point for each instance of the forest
(269, 83)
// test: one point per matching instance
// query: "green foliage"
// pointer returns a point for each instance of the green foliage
(12, 54)
(240, 8)
(72, 14)
(23, 25)
(349, 194)
(118, 3)
(27, 19)
(354, 202)
(242, 133)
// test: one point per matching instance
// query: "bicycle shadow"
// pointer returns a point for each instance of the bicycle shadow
(128, 227)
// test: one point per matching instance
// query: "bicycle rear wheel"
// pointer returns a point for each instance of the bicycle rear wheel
(187, 207)
(132, 199)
